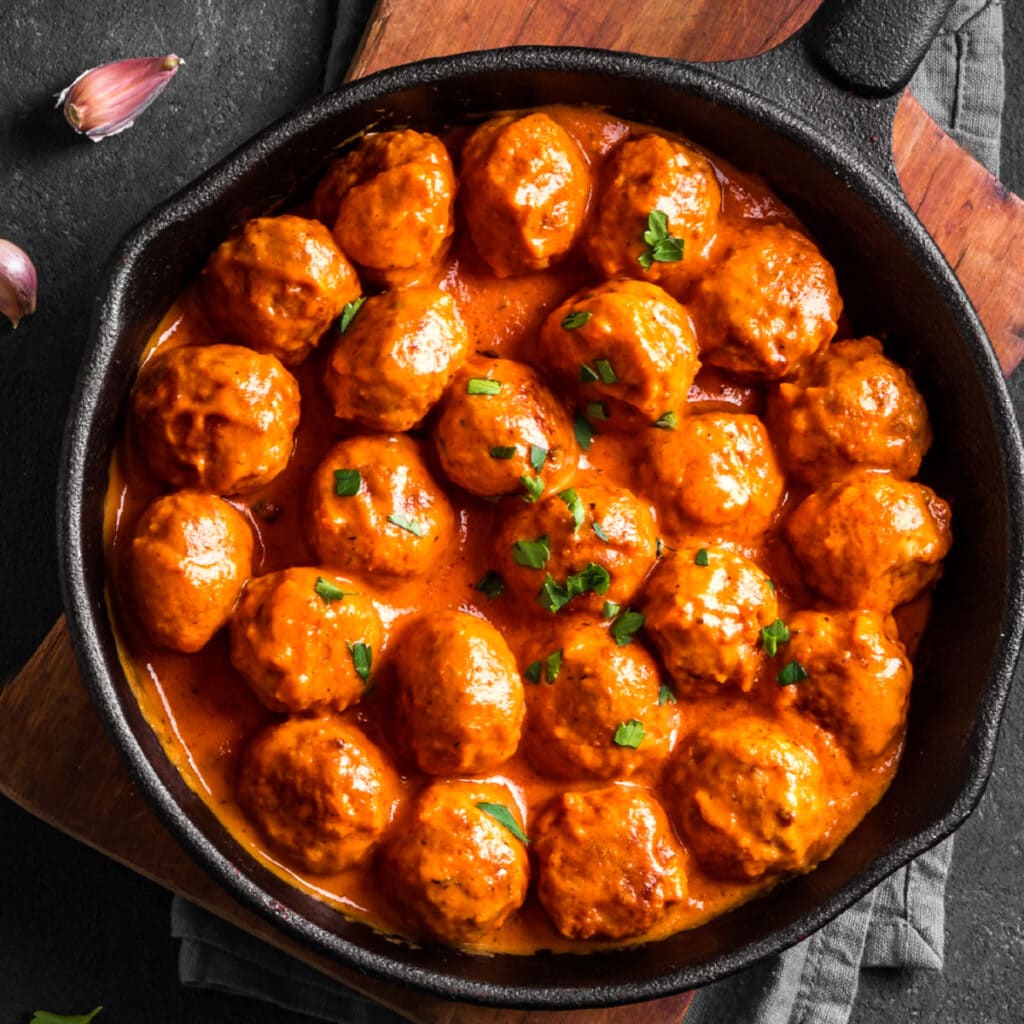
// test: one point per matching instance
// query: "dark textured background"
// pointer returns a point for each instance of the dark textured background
(77, 930)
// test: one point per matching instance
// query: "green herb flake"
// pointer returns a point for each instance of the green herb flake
(531, 554)
(482, 386)
(701, 558)
(661, 246)
(45, 1017)
(553, 597)
(328, 592)
(534, 487)
(773, 635)
(347, 482)
(610, 610)
(792, 672)
(605, 371)
(490, 584)
(574, 505)
(503, 452)
(362, 658)
(588, 375)
(626, 626)
(599, 530)
(504, 817)
(667, 421)
(348, 314)
(576, 319)
(597, 411)
(553, 665)
(595, 579)
(771, 586)
(533, 671)
(407, 524)
(538, 456)
(665, 695)
(583, 431)
(629, 734)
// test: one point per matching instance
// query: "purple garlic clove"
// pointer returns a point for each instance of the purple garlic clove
(18, 282)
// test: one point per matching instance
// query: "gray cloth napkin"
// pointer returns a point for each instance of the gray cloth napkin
(900, 925)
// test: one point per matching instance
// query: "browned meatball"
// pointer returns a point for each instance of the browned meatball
(625, 340)
(396, 358)
(488, 443)
(216, 417)
(858, 678)
(608, 864)
(460, 698)
(649, 175)
(454, 866)
(594, 708)
(715, 469)
(390, 203)
(587, 545)
(304, 639)
(854, 408)
(278, 285)
(525, 187)
(319, 791)
(749, 800)
(705, 609)
(870, 540)
(374, 507)
(773, 303)
(191, 553)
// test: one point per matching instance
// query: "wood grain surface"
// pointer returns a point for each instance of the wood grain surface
(55, 759)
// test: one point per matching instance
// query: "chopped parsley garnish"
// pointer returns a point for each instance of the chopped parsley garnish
(629, 734)
(531, 554)
(771, 586)
(490, 584)
(605, 371)
(533, 671)
(347, 482)
(553, 665)
(482, 386)
(665, 695)
(362, 658)
(407, 524)
(588, 375)
(661, 246)
(45, 1017)
(328, 592)
(538, 456)
(599, 530)
(504, 817)
(503, 452)
(554, 596)
(574, 505)
(348, 314)
(792, 672)
(534, 487)
(597, 411)
(583, 430)
(576, 319)
(610, 610)
(626, 626)
(701, 558)
(773, 635)
(667, 421)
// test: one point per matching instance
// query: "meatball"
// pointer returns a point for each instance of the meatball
(216, 417)
(320, 792)
(608, 864)
(455, 865)
(460, 699)
(858, 678)
(625, 340)
(190, 555)
(488, 443)
(374, 507)
(853, 408)
(705, 609)
(870, 540)
(277, 286)
(594, 708)
(396, 357)
(390, 204)
(649, 175)
(769, 307)
(525, 188)
(749, 801)
(716, 469)
(585, 545)
(304, 639)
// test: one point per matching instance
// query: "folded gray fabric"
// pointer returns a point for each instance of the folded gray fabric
(900, 924)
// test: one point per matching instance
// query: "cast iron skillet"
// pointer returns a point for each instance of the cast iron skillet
(815, 117)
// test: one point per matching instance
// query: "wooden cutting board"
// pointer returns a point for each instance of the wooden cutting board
(79, 784)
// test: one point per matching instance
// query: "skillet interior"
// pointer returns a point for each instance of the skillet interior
(890, 276)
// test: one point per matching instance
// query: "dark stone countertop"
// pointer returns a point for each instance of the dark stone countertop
(76, 929)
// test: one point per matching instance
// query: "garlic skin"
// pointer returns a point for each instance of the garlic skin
(18, 282)
(106, 100)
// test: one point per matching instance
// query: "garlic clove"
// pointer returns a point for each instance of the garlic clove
(18, 282)
(106, 100)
